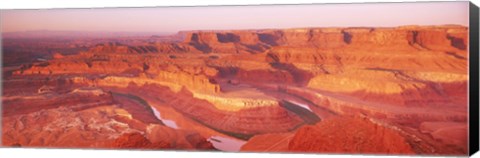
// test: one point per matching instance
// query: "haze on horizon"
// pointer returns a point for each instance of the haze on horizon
(174, 19)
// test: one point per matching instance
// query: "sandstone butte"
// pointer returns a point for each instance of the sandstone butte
(399, 90)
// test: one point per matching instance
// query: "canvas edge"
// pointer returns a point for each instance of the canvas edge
(473, 80)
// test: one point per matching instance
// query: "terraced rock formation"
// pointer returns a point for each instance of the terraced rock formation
(399, 90)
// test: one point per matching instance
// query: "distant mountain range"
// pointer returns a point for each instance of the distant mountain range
(79, 34)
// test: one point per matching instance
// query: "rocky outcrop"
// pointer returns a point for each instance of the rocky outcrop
(225, 42)
(242, 123)
(404, 38)
(87, 121)
(235, 103)
(406, 115)
(337, 135)
(136, 141)
(58, 56)
(122, 68)
(346, 135)
(276, 142)
(182, 139)
(450, 133)
(63, 127)
(441, 39)
(119, 48)
(46, 99)
(123, 49)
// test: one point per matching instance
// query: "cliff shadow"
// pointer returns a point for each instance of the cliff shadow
(301, 77)
(228, 38)
(268, 39)
(203, 47)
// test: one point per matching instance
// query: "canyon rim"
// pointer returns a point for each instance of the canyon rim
(357, 90)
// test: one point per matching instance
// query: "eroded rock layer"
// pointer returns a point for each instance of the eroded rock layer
(399, 90)
(349, 136)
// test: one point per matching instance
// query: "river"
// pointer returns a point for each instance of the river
(168, 123)
(226, 144)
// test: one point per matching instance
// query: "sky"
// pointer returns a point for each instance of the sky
(174, 19)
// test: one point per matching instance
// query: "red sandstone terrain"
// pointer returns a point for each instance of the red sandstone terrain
(399, 90)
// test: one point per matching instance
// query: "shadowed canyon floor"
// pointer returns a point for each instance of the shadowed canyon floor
(399, 90)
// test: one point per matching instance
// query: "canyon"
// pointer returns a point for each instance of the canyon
(360, 90)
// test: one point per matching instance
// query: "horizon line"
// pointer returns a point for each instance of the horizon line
(246, 29)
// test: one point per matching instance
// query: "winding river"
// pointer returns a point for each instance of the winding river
(226, 144)
(168, 123)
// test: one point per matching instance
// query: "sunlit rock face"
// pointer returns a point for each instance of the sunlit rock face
(399, 90)
(346, 135)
